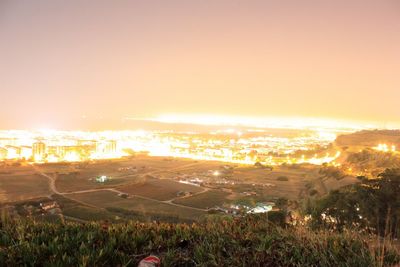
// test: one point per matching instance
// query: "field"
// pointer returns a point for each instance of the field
(205, 200)
(67, 183)
(87, 214)
(268, 184)
(75, 211)
(21, 183)
(85, 178)
(77, 177)
(159, 189)
(152, 186)
(107, 199)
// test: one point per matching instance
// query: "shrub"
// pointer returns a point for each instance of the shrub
(282, 178)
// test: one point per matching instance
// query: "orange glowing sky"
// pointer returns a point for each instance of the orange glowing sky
(63, 62)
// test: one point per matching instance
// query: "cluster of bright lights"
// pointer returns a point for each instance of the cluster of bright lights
(235, 148)
(230, 145)
(385, 148)
(57, 146)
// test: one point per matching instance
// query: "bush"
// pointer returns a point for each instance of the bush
(277, 217)
(282, 178)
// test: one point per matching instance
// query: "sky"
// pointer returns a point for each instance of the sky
(66, 64)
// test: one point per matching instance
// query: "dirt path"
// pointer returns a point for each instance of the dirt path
(52, 180)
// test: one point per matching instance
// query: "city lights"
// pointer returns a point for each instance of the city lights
(242, 147)
(385, 148)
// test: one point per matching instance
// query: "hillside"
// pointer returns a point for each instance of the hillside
(369, 138)
(249, 241)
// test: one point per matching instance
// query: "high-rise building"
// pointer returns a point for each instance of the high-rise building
(38, 151)
(106, 147)
(26, 152)
(13, 152)
(111, 146)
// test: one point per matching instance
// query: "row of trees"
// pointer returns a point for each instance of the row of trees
(371, 205)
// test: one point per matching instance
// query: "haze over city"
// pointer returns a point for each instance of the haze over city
(90, 64)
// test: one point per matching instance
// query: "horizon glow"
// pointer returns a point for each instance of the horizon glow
(89, 64)
(266, 122)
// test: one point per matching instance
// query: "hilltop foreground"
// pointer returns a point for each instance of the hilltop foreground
(249, 241)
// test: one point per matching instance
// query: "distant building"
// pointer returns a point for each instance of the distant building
(106, 147)
(102, 179)
(261, 208)
(49, 205)
(91, 143)
(13, 152)
(111, 146)
(26, 152)
(38, 150)
(195, 181)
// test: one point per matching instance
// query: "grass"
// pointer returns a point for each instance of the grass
(88, 214)
(248, 241)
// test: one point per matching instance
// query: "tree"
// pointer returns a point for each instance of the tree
(379, 201)
(371, 204)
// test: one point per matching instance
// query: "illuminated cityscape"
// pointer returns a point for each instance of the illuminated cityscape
(244, 147)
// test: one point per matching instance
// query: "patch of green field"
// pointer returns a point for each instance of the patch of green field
(88, 214)
(204, 200)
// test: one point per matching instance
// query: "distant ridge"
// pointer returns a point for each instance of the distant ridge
(369, 138)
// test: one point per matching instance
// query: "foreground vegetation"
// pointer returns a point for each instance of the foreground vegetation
(247, 241)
